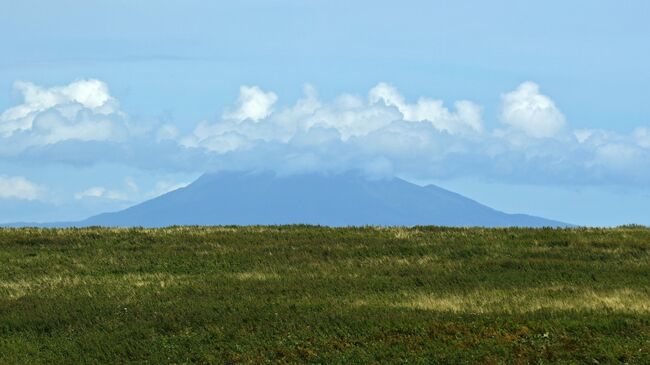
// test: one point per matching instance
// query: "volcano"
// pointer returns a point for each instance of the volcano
(348, 199)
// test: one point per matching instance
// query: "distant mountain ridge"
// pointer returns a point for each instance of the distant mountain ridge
(238, 198)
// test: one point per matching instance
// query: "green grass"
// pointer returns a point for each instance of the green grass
(300, 294)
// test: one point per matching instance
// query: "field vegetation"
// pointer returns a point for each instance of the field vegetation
(305, 294)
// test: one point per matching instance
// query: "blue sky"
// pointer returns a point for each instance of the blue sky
(106, 104)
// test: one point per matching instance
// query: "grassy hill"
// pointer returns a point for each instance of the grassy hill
(296, 294)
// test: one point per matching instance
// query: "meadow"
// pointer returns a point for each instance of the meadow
(306, 294)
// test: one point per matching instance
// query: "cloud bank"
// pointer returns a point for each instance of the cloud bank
(381, 133)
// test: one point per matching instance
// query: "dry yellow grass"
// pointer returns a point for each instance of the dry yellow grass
(512, 301)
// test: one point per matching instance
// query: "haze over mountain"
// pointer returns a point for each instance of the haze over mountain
(336, 200)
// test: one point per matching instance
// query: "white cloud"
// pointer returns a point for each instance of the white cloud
(467, 117)
(18, 187)
(385, 134)
(583, 135)
(130, 192)
(100, 192)
(618, 156)
(381, 133)
(51, 128)
(94, 192)
(91, 94)
(253, 104)
(163, 187)
(527, 110)
(83, 110)
(350, 116)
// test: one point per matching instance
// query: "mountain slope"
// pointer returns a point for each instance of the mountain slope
(335, 200)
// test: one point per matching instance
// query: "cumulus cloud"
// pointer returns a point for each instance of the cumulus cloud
(91, 94)
(253, 104)
(467, 117)
(385, 134)
(18, 187)
(381, 133)
(527, 110)
(348, 117)
(84, 110)
(81, 124)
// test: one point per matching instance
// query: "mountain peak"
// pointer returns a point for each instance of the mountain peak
(346, 199)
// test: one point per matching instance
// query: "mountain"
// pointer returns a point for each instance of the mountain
(335, 200)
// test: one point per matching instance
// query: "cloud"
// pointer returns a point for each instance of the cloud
(384, 134)
(253, 104)
(18, 187)
(91, 94)
(348, 132)
(467, 117)
(100, 192)
(130, 192)
(167, 132)
(535, 114)
(163, 187)
(348, 116)
(81, 124)
(84, 110)
(642, 137)
(131, 185)
(381, 133)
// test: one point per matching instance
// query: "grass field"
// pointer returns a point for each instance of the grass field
(299, 294)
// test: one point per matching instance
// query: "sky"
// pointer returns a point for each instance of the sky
(533, 107)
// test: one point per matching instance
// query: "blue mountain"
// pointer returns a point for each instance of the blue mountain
(237, 198)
